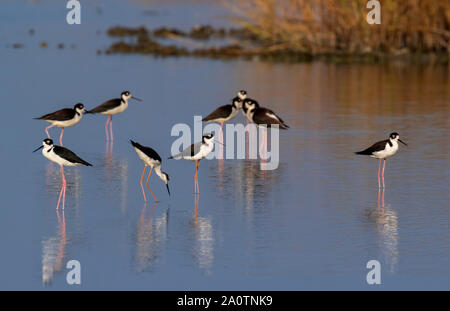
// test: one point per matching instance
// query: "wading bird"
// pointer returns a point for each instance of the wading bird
(63, 118)
(263, 117)
(197, 152)
(224, 113)
(382, 150)
(63, 157)
(152, 159)
(113, 106)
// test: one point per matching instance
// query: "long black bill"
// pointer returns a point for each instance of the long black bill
(39, 148)
(219, 142)
(138, 99)
(402, 142)
(167, 185)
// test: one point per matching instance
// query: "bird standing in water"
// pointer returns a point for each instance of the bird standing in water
(195, 153)
(63, 157)
(113, 106)
(152, 159)
(382, 150)
(63, 118)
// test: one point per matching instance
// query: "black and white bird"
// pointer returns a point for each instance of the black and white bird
(224, 113)
(382, 150)
(63, 118)
(152, 159)
(263, 116)
(197, 152)
(113, 106)
(246, 103)
(63, 157)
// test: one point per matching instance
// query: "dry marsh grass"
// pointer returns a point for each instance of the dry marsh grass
(340, 26)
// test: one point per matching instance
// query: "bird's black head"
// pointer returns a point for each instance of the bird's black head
(48, 141)
(207, 137)
(250, 103)
(237, 102)
(242, 94)
(126, 93)
(79, 107)
(166, 178)
(394, 135)
(46, 144)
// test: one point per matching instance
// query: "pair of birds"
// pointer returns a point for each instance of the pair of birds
(250, 109)
(65, 157)
(68, 117)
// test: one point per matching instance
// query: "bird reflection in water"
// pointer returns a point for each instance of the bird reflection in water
(386, 221)
(244, 183)
(151, 235)
(53, 251)
(203, 248)
(116, 177)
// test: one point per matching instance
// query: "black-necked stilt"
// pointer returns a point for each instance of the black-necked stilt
(224, 113)
(150, 158)
(383, 150)
(197, 152)
(113, 106)
(63, 118)
(263, 116)
(63, 157)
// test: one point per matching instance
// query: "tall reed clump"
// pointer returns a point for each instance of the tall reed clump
(334, 26)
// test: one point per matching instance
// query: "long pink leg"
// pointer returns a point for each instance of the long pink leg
(262, 148)
(382, 174)
(64, 197)
(142, 177)
(148, 178)
(59, 199)
(379, 171)
(196, 177)
(110, 128)
(106, 129)
(198, 187)
(63, 189)
(46, 130)
(60, 137)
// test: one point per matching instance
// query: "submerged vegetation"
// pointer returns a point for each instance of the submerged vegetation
(304, 30)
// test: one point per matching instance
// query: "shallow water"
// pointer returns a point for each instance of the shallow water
(313, 223)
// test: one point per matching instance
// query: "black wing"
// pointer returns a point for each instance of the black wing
(147, 150)
(60, 115)
(108, 105)
(260, 116)
(378, 146)
(219, 113)
(69, 155)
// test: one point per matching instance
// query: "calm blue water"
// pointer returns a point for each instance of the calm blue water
(313, 223)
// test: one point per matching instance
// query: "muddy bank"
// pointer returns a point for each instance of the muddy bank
(235, 43)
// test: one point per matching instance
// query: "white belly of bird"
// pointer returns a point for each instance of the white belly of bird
(116, 110)
(67, 123)
(387, 152)
(57, 159)
(204, 151)
(146, 159)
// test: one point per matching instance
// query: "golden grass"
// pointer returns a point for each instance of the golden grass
(330, 26)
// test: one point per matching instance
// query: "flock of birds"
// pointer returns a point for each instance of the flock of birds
(253, 112)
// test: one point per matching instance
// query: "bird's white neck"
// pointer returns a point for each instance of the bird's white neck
(393, 142)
